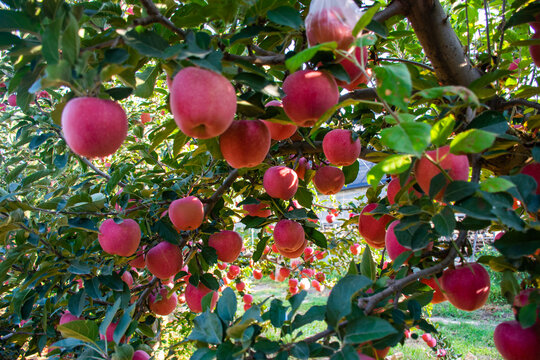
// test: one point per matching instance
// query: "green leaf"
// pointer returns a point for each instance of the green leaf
(340, 298)
(207, 328)
(148, 77)
(368, 268)
(109, 316)
(123, 324)
(514, 244)
(525, 15)
(287, 16)
(85, 330)
(261, 245)
(488, 78)
(76, 302)
(226, 306)
(410, 138)
(475, 207)
(315, 313)
(394, 164)
(210, 281)
(300, 350)
(464, 93)
(367, 329)
(16, 20)
(351, 172)
(346, 353)
(296, 61)
(496, 184)
(472, 141)
(123, 352)
(277, 313)
(413, 235)
(458, 190)
(444, 222)
(394, 84)
(365, 19)
(71, 42)
(491, 121)
(120, 93)
(316, 236)
(296, 301)
(328, 114)
(304, 197)
(528, 315)
(50, 41)
(442, 130)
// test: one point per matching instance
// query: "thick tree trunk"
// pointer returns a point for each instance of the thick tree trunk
(440, 42)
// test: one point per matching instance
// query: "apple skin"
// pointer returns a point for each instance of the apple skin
(279, 131)
(146, 118)
(166, 305)
(393, 247)
(301, 168)
(119, 239)
(289, 236)
(194, 297)
(127, 278)
(373, 230)
(329, 24)
(140, 355)
(533, 169)
(467, 286)
(259, 210)
(438, 295)
(339, 148)
(308, 95)
(394, 186)
(164, 260)
(203, 102)
(296, 253)
(138, 262)
(457, 167)
(245, 144)
(355, 73)
(68, 317)
(186, 213)
(535, 50)
(94, 127)
(109, 333)
(12, 100)
(280, 182)
(329, 180)
(228, 245)
(516, 343)
(257, 274)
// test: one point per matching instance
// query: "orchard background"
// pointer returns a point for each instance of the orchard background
(452, 75)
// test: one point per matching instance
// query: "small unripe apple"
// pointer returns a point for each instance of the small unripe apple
(308, 95)
(257, 274)
(339, 147)
(140, 355)
(166, 305)
(280, 182)
(288, 235)
(228, 245)
(164, 260)
(94, 127)
(203, 102)
(186, 213)
(119, 239)
(329, 180)
(373, 230)
(245, 144)
(194, 296)
(259, 210)
(516, 343)
(467, 286)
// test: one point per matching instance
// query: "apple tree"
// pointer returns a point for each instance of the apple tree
(144, 142)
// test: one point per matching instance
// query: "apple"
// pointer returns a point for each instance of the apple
(221, 266)
(308, 252)
(246, 307)
(194, 296)
(145, 118)
(12, 100)
(320, 254)
(247, 298)
(166, 305)
(329, 218)
(186, 213)
(259, 210)
(535, 50)
(329, 24)
(394, 186)
(257, 274)
(393, 247)
(234, 270)
(438, 295)
(240, 286)
(516, 343)
(514, 65)
(280, 182)
(293, 290)
(68, 317)
(354, 71)
(329, 180)
(245, 144)
(301, 168)
(373, 230)
(467, 286)
(140, 355)
(289, 235)
(228, 245)
(284, 272)
(320, 277)
(203, 102)
(456, 166)
(109, 333)
(119, 239)
(354, 249)
(127, 278)
(533, 169)
(293, 282)
(315, 284)
(522, 299)
(94, 127)
(308, 95)
(295, 253)
(164, 260)
(279, 131)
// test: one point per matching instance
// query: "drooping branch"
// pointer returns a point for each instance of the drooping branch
(500, 104)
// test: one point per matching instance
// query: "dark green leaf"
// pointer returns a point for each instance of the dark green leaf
(207, 328)
(316, 236)
(296, 301)
(366, 329)
(226, 306)
(85, 330)
(304, 197)
(71, 42)
(444, 222)
(285, 15)
(365, 19)
(315, 313)
(16, 20)
(300, 350)
(261, 245)
(394, 84)
(368, 268)
(351, 172)
(458, 190)
(277, 313)
(109, 316)
(119, 93)
(492, 121)
(514, 244)
(340, 298)
(210, 281)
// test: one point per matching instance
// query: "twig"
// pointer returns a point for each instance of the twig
(502, 105)
(393, 9)
(360, 94)
(276, 59)
(416, 63)
(501, 28)
(143, 297)
(487, 30)
(99, 172)
(212, 200)
(155, 16)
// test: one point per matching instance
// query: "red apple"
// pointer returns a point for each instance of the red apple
(248, 299)
(373, 230)
(127, 278)
(279, 131)
(535, 50)
(467, 286)
(295, 253)
(109, 333)
(308, 95)
(245, 144)
(228, 245)
(329, 218)
(146, 118)
(194, 296)
(164, 260)
(293, 282)
(140, 355)
(119, 239)
(246, 307)
(166, 305)
(393, 247)
(514, 65)
(320, 277)
(289, 235)
(94, 127)
(280, 182)
(456, 166)
(516, 343)
(329, 24)
(203, 102)
(234, 270)
(308, 252)
(438, 295)
(259, 210)
(186, 213)
(240, 286)
(301, 168)
(12, 100)
(533, 169)
(354, 249)
(257, 274)
(320, 254)
(329, 180)
(394, 186)
(68, 317)
(354, 71)
(293, 290)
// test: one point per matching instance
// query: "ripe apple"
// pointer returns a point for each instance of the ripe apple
(354, 71)
(259, 210)
(234, 270)
(166, 305)
(257, 274)
(533, 169)
(320, 277)
(203, 102)
(246, 307)
(247, 298)
(280, 182)
(240, 286)
(456, 166)
(339, 147)
(467, 286)
(164, 260)
(354, 249)
(516, 343)
(228, 245)
(186, 213)
(279, 131)
(127, 278)
(329, 180)
(293, 290)
(289, 235)
(12, 100)
(522, 299)
(194, 296)
(308, 95)
(109, 333)
(293, 282)
(140, 355)
(320, 254)
(393, 247)
(438, 295)
(394, 186)
(514, 65)
(329, 24)
(535, 50)
(119, 239)
(329, 218)
(146, 118)
(68, 317)
(294, 254)
(222, 266)
(301, 168)
(94, 127)
(373, 230)
(245, 144)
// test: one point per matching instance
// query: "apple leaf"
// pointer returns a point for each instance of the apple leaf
(85, 330)
(297, 60)
(472, 141)
(366, 329)
(442, 130)
(227, 304)
(207, 328)
(394, 84)
(497, 184)
(410, 137)
(351, 172)
(365, 19)
(395, 164)
(340, 298)
(514, 244)
(285, 15)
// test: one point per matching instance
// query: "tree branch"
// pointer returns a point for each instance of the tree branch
(306, 148)
(154, 15)
(212, 200)
(276, 59)
(501, 104)
(360, 94)
(393, 9)
(99, 172)
(427, 67)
